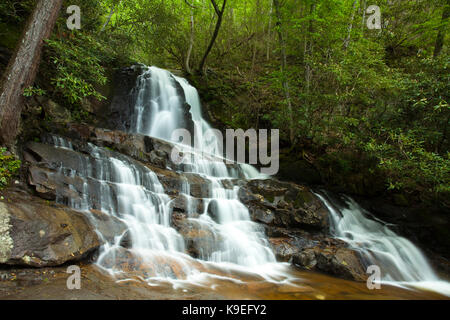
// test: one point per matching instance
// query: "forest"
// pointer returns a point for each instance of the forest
(367, 107)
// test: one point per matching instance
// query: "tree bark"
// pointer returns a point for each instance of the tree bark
(113, 9)
(268, 32)
(441, 34)
(23, 67)
(309, 49)
(363, 22)
(191, 44)
(285, 82)
(350, 26)
(219, 13)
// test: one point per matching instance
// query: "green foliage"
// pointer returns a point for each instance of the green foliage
(15, 11)
(409, 167)
(33, 91)
(9, 167)
(77, 68)
(364, 102)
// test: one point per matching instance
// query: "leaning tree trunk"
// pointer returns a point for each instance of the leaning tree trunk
(191, 44)
(219, 13)
(23, 66)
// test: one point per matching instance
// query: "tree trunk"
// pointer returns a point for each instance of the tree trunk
(268, 32)
(109, 18)
(350, 26)
(285, 82)
(363, 23)
(215, 34)
(309, 49)
(23, 66)
(191, 44)
(441, 34)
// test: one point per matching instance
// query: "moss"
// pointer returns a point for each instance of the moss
(303, 197)
(9, 167)
(6, 242)
(270, 198)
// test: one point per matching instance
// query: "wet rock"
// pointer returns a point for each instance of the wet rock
(36, 234)
(54, 111)
(118, 113)
(128, 263)
(283, 248)
(108, 226)
(47, 165)
(200, 239)
(191, 206)
(284, 204)
(172, 182)
(317, 252)
(342, 262)
(125, 240)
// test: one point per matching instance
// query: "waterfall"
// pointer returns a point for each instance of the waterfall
(152, 249)
(129, 191)
(400, 261)
(158, 111)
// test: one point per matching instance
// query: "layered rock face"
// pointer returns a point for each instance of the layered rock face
(36, 233)
(119, 114)
(294, 219)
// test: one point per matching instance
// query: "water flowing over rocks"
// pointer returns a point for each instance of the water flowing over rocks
(121, 114)
(119, 194)
(294, 219)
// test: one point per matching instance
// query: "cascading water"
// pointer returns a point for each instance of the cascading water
(240, 240)
(129, 191)
(400, 261)
(123, 188)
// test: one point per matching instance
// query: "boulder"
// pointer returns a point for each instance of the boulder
(54, 111)
(200, 240)
(284, 204)
(342, 262)
(128, 263)
(34, 233)
(319, 253)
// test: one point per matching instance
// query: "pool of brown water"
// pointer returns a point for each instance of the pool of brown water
(50, 283)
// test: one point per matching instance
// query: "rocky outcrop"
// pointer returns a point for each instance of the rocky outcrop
(284, 204)
(297, 225)
(35, 233)
(46, 162)
(317, 252)
(119, 114)
(336, 260)
(200, 240)
(294, 218)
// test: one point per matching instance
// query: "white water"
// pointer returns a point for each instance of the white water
(158, 103)
(400, 261)
(125, 189)
(118, 186)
